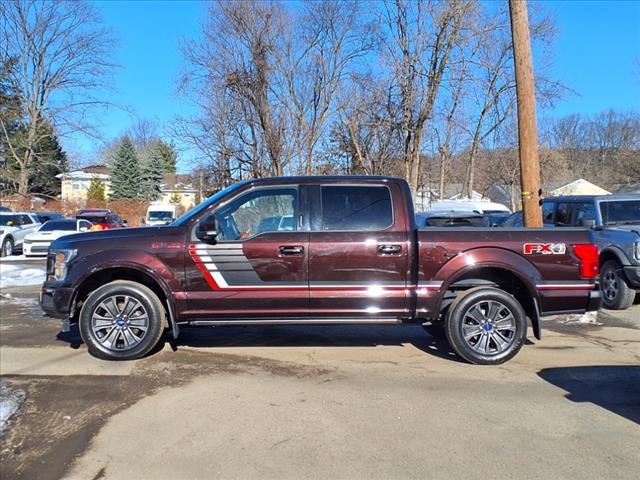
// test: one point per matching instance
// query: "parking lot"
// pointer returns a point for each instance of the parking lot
(318, 402)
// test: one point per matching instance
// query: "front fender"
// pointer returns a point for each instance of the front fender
(140, 261)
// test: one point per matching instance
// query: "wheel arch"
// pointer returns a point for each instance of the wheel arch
(504, 278)
(131, 273)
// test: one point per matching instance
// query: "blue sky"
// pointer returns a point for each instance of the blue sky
(597, 54)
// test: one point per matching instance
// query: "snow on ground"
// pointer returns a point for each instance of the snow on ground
(22, 258)
(10, 401)
(15, 276)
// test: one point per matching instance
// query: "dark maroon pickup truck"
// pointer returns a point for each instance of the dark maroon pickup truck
(318, 250)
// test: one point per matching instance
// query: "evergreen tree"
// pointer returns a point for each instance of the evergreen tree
(50, 160)
(96, 190)
(168, 155)
(125, 176)
(152, 174)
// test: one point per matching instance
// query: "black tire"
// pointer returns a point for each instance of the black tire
(436, 330)
(616, 293)
(7, 248)
(500, 333)
(103, 341)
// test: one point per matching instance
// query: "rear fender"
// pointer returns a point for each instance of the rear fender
(495, 258)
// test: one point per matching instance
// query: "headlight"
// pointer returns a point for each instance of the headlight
(27, 241)
(58, 263)
(637, 250)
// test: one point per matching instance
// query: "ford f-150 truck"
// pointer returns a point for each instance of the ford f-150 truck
(318, 250)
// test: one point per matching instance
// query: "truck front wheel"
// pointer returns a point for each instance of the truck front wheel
(121, 320)
(486, 326)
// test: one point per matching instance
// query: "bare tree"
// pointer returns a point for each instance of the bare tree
(314, 64)
(63, 55)
(235, 59)
(418, 39)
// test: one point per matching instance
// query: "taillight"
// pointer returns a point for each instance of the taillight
(588, 255)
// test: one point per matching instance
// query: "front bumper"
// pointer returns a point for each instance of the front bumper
(633, 275)
(36, 249)
(56, 300)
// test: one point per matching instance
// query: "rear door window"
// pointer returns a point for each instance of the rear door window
(356, 208)
(564, 214)
(584, 212)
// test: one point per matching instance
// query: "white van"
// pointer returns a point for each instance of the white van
(161, 214)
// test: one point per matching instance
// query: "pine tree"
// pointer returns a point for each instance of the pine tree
(152, 174)
(50, 160)
(125, 176)
(168, 155)
(96, 190)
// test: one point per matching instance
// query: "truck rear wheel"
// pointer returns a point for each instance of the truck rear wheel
(486, 326)
(616, 294)
(121, 320)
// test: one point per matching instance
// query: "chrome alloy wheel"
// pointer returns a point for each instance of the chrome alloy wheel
(119, 322)
(610, 287)
(489, 327)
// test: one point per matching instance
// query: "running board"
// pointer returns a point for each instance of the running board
(296, 321)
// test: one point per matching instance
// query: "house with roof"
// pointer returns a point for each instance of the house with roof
(178, 189)
(75, 183)
(174, 189)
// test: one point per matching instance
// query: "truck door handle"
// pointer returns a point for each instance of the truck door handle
(291, 250)
(389, 249)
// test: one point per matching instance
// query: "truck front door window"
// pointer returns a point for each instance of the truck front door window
(260, 211)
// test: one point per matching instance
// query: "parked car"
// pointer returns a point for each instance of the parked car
(14, 226)
(451, 218)
(469, 205)
(46, 216)
(353, 255)
(102, 219)
(37, 243)
(515, 220)
(615, 220)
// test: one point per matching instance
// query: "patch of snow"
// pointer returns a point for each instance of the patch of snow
(13, 276)
(21, 258)
(10, 401)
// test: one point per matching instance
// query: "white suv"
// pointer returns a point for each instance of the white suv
(14, 226)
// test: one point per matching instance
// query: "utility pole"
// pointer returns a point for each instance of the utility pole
(527, 130)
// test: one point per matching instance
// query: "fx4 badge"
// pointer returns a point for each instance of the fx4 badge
(545, 248)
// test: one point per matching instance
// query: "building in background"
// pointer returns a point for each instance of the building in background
(75, 184)
(179, 190)
(174, 189)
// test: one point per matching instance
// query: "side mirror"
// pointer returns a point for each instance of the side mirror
(125, 223)
(589, 223)
(207, 230)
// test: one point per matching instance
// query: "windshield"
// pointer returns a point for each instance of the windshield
(94, 219)
(58, 225)
(208, 202)
(6, 219)
(158, 215)
(620, 212)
